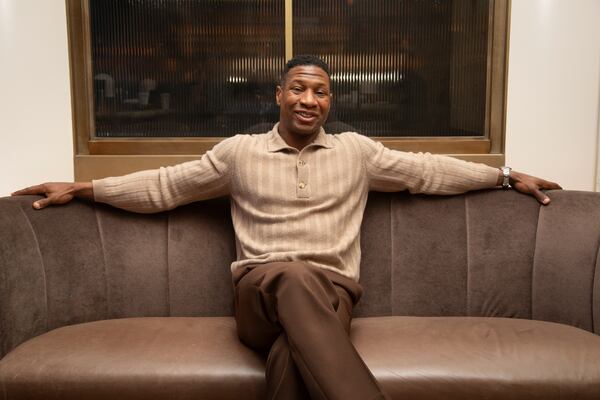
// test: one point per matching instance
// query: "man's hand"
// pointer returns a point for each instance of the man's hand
(531, 185)
(58, 192)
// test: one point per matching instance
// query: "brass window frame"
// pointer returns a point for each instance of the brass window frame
(100, 157)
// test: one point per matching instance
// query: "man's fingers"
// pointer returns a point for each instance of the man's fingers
(549, 186)
(39, 204)
(540, 196)
(554, 186)
(534, 186)
(37, 189)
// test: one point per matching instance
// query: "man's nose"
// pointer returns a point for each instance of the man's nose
(308, 98)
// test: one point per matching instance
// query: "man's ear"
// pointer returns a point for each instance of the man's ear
(278, 91)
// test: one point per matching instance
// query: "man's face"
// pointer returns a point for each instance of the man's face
(304, 100)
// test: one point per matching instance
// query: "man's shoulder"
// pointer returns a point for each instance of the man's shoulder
(351, 137)
(252, 137)
(241, 144)
(245, 138)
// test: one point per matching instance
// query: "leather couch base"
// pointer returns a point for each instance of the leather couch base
(136, 358)
(201, 358)
(479, 358)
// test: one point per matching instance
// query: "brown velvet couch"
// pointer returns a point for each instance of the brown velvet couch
(480, 296)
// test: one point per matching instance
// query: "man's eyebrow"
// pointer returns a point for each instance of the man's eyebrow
(302, 81)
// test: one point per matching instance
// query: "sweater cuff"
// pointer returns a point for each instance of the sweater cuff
(491, 177)
(99, 186)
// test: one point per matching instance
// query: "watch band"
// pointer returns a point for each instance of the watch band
(506, 177)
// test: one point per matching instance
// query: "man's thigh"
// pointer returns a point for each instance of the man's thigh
(256, 305)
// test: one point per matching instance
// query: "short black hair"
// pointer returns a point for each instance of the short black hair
(304, 59)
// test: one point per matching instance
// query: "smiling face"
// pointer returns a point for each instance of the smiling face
(304, 100)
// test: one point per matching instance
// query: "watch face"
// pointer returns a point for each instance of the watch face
(506, 171)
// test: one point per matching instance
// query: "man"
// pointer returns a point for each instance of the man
(297, 200)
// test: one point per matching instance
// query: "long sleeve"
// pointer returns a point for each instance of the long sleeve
(168, 187)
(392, 170)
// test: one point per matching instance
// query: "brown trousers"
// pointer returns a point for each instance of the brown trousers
(301, 316)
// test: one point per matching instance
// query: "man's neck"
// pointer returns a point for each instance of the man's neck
(298, 141)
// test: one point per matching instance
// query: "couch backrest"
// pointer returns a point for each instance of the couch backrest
(488, 253)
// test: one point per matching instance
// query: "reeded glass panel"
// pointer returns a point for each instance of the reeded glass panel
(401, 67)
(185, 67)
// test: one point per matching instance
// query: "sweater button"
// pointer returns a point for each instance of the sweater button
(302, 185)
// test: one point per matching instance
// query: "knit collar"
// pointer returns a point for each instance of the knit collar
(276, 143)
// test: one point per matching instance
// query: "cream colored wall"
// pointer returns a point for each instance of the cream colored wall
(553, 92)
(35, 105)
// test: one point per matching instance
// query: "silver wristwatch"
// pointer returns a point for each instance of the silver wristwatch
(506, 174)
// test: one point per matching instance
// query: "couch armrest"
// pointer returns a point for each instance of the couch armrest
(23, 311)
(50, 269)
(566, 268)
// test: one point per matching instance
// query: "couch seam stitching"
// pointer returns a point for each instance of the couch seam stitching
(392, 252)
(37, 244)
(594, 285)
(168, 266)
(104, 263)
(535, 241)
(468, 240)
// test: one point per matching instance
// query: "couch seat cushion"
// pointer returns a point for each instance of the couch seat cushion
(201, 358)
(136, 358)
(479, 358)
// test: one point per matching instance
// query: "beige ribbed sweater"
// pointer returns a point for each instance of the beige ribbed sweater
(289, 205)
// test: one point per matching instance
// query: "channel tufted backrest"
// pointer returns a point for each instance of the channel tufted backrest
(489, 253)
(85, 262)
(169, 264)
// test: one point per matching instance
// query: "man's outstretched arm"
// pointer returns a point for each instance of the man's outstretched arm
(152, 190)
(58, 192)
(392, 170)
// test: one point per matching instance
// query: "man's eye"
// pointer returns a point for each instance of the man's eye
(296, 89)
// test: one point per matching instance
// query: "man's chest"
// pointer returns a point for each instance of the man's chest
(313, 176)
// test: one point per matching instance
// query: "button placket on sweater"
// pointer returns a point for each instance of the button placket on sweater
(303, 175)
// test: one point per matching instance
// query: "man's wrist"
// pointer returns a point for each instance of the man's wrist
(83, 190)
(500, 178)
